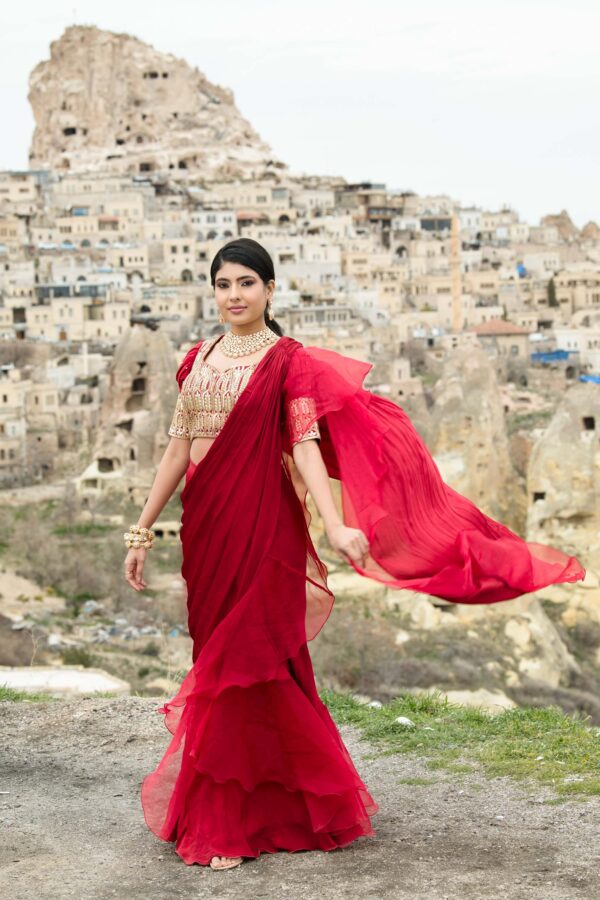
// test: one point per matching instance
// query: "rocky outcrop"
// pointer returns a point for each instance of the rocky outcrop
(563, 480)
(590, 232)
(468, 435)
(109, 101)
(135, 415)
(564, 225)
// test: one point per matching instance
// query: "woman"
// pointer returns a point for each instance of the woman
(256, 764)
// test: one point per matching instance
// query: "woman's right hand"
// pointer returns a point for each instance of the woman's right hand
(134, 568)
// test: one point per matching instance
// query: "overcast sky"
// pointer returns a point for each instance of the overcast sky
(491, 102)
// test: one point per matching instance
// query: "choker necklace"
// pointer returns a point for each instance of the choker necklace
(243, 344)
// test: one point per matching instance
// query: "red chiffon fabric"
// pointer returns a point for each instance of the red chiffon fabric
(422, 534)
(256, 764)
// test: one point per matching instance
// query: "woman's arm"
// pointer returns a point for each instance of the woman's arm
(351, 543)
(171, 470)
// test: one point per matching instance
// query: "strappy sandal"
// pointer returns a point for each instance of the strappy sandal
(234, 861)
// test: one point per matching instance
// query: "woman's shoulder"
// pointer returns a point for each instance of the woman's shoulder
(187, 362)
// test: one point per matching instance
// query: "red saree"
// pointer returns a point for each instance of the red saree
(256, 764)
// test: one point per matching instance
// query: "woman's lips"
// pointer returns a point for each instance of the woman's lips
(237, 308)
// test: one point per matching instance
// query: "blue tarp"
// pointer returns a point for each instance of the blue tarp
(550, 355)
(594, 378)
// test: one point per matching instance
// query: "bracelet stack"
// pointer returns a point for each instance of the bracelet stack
(138, 537)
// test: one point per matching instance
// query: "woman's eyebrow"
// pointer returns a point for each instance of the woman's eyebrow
(241, 278)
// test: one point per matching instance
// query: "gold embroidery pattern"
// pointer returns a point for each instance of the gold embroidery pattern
(300, 411)
(207, 397)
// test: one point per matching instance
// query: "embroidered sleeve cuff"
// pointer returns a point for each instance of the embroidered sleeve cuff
(179, 426)
(300, 412)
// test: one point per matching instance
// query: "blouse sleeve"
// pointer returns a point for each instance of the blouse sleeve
(299, 403)
(180, 426)
(301, 420)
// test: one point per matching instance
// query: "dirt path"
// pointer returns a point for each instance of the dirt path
(72, 825)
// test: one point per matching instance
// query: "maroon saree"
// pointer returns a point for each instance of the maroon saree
(256, 763)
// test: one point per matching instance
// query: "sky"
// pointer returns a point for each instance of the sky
(493, 103)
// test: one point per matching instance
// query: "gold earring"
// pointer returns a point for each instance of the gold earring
(221, 319)
(270, 305)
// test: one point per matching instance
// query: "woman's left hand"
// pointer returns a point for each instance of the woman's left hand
(350, 543)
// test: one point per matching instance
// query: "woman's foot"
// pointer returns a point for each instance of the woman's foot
(225, 862)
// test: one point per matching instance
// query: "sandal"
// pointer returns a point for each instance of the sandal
(233, 861)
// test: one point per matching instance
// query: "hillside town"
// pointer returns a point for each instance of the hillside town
(89, 260)
(106, 243)
(483, 327)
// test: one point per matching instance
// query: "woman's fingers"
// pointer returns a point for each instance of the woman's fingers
(130, 576)
(134, 569)
(357, 548)
(139, 572)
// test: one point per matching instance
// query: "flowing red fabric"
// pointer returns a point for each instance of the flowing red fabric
(256, 764)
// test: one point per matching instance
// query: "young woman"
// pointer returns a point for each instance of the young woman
(256, 763)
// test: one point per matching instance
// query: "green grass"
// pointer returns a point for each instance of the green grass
(14, 696)
(527, 420)
(462, 739)
(85, 529)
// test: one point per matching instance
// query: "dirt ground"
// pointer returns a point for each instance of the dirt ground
(72, 824)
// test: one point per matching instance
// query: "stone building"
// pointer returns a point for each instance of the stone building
(503, 338)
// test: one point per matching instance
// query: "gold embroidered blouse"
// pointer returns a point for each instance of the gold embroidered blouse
(208, 395)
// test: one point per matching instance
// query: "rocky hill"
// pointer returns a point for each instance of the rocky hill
(106, 101)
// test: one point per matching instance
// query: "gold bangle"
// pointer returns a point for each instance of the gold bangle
(138, 537)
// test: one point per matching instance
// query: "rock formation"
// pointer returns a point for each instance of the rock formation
(110, 101)
(562, 222)
(135, 416)
(468, 435)
(564, 476)
(590, 232)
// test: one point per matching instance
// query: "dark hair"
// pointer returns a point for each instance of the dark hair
(248, 253)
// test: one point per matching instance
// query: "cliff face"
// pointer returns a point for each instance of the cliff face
(110, 101)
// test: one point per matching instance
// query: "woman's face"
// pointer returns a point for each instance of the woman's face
(242, 296)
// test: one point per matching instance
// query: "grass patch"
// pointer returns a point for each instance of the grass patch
(79, 656)
(525, 421)
(14, 696)
(85, 529)
(545, 744)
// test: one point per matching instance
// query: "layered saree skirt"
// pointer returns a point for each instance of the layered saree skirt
(256, 763)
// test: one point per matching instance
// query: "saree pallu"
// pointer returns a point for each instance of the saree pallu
(422, 534)
(256, 763)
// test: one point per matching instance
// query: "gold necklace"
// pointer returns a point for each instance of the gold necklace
(235, 345)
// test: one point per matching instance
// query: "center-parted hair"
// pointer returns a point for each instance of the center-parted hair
(247, 252)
